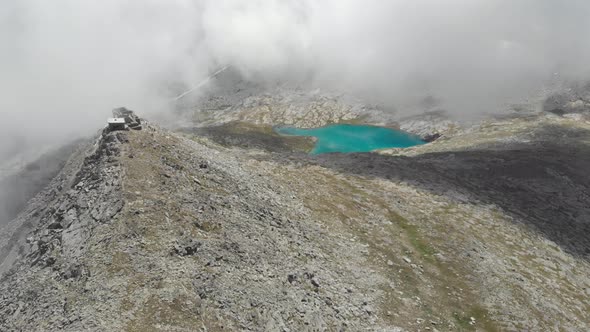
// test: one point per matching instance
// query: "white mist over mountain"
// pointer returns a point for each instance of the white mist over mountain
(65, 63)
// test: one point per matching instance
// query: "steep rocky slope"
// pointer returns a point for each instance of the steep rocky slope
(152, 230)
(21, 181)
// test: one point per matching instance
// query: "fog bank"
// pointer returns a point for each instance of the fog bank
(66, 63)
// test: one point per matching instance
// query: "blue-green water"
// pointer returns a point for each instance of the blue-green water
(353, 138)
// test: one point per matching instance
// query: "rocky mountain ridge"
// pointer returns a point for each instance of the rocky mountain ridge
(483, 229)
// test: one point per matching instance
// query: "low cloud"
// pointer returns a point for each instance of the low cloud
(66, 63)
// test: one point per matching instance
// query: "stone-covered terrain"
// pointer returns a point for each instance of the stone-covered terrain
(227, 227)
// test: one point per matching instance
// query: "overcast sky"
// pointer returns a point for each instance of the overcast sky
(71, 61)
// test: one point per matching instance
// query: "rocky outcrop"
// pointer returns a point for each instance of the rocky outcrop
(292, 107)
(131, 119)
(430, 125)
(573, 99)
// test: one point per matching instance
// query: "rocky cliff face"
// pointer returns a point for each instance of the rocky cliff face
(44, 246)
(151, 230)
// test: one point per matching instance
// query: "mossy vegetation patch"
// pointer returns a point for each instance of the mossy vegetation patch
(412, 232)
(252, 136)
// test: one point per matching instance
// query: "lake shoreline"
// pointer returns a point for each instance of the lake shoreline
(349, 138)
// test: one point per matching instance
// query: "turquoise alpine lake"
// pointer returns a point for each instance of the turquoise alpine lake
(347, 138)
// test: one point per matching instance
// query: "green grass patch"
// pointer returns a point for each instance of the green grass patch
(250, 135)
(413, 234)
